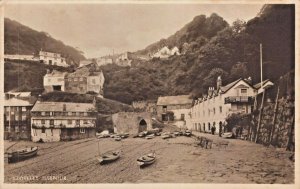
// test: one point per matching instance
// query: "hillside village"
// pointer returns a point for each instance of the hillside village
(174, 88)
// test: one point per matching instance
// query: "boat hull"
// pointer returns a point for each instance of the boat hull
(108, 158)
(21, 155)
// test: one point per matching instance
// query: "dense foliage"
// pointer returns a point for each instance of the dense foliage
(232, 53)
(27, 75)
(20, 39)
(104, 106)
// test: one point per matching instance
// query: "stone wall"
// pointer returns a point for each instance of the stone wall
(129, 122)
(283, 127)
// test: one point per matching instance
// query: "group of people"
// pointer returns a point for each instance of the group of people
(221, 129)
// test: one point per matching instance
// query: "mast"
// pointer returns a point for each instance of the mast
(261, 67)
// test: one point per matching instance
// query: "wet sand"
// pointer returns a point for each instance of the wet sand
(178, 161)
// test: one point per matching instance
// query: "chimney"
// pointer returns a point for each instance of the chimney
(39, 98)
(95, 102)
(219, 83)
(249, 80)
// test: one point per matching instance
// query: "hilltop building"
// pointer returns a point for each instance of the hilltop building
(84, 80)
(217, 104)
(85, 62)
(51, 58)
(165, 52)
(174, 109)
(29, 57)
(17, 117)
(56, 121)
(54, 81)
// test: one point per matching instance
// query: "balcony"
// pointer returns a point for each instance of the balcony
(238, 99)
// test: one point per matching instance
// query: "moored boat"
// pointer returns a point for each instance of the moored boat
(22, 154)
(109, 157)
(146, 159)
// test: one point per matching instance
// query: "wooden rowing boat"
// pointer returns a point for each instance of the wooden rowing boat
(22, 154)
(109, 157)
(146, 159)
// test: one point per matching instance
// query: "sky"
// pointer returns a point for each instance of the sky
(101, 29)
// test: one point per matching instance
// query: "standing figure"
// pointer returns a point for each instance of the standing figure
(220, 128)
(213, 129)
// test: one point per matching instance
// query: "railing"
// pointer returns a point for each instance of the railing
(60, 126)
(238, 99)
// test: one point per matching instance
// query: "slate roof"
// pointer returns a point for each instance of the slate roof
(58, 107)
(55, 73)
(17, 102)
(257, 86)
(174, 100)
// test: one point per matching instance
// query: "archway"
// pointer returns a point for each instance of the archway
(142, 125)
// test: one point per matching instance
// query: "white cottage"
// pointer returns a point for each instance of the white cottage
(51, 58)
(213, 108)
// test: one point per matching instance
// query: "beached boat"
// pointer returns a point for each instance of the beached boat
(146, 159)
(150, 136)
(22, 154)
(166, 136)
(188, 133)
(118, 138)
(227, 135)
(109, 157)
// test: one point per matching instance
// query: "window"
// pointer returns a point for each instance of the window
(77, 122)
(17, 129)
(85, 122)
(93, 81)
(82, 130)
(43, 130)
(43, 113)
(73, 113)
(17, 118)
(85, 114)
(214, 111)
(81, 114)
(220, 109)
(43, 121)
(182, 117)
(47, 113)
(51, 122)
(69, 121)
(164, 108)
(24, 117)
(51, 132)
(243, 91)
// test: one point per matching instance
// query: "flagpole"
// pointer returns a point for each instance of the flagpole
(261, 67)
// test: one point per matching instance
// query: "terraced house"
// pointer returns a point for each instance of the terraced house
(55, 121)
(17, 117)
(213, 108)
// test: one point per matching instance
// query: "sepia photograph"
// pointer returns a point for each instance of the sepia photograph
(144, 92)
